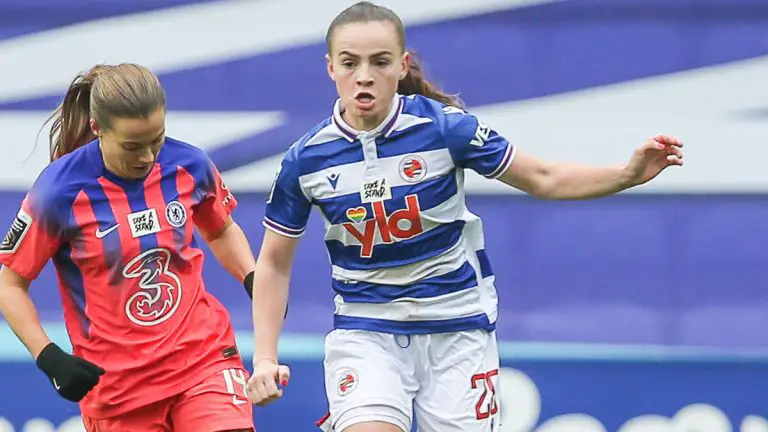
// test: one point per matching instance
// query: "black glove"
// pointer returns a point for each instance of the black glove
(71, 376)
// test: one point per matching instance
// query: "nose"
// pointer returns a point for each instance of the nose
(364, 77)
(147, 156)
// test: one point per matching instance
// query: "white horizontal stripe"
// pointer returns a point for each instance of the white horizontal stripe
(350, 176)
(448, 261)
(460, 304)
(327, 134)
(407, 121)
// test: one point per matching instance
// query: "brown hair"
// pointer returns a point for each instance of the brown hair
(414, 81)
(102, 93)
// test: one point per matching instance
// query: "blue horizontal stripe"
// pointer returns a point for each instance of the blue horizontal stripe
(422, 247)
(427, 136)
(318, 157)
(363, 292)
(474, 322)
(485, 264)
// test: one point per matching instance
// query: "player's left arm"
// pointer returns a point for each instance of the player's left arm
(233, 251)
(225, 238)
(563, 180)
(478, 147)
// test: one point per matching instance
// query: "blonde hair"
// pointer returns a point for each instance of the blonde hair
(104, 92)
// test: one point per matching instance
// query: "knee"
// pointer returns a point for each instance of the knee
(375, 418)
(373, 426)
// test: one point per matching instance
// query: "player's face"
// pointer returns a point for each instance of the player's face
(366, 62)
(130, 145)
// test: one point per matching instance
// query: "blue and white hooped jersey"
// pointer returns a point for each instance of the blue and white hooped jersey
(407, 255)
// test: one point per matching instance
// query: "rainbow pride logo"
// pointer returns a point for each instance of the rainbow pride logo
(357, 214)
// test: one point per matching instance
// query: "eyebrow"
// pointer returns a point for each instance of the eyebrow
(136, 142)
(376, 54)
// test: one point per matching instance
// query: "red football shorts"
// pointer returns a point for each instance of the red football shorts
(216, 404)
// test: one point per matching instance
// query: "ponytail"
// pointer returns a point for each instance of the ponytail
(415, 83)
(70, 128)
(102, 93)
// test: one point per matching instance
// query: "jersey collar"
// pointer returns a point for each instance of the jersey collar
(385, 128)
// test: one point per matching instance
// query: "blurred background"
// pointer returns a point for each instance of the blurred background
(642, 312)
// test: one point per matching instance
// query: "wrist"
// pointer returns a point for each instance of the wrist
(626, 179)
(50, 358)
(36, 349)
(259, 360)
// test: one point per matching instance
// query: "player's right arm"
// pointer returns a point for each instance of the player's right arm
(286, 216)
(36, 233)
(18, 309)
(32, 239)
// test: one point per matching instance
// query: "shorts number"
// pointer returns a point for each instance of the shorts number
(232, 377)
(486, 405)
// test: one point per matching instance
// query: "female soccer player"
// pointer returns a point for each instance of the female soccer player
(116, 210)
(416, 306)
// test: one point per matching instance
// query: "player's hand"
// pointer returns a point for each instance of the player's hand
(652, 157)
(262, 387)
(72, 377)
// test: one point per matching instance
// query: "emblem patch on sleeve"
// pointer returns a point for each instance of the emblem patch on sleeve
(16, 233)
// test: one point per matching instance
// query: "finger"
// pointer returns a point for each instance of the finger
(251, 391)
(89, 370)
(284, 375)
(88, 380)
(271, 392)
(667, 140)
(266, 401)
(675, 151)
(262, 394)
(94, 369)
(674, 160)
(270, 386)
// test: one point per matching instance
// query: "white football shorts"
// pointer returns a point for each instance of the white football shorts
(448, 380)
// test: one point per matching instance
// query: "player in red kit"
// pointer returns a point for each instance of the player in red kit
(116, 211)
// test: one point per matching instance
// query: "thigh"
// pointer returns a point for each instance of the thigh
(151, 418)
(369, 379)
(459, 383)
(216, 404)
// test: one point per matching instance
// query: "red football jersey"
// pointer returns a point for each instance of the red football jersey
(130, 270)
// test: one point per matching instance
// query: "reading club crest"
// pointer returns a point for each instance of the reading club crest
(413, 169)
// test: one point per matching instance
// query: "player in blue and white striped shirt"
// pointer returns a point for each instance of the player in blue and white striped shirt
(416, 305)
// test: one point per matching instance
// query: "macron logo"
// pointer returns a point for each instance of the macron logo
(101, 234)
(333, 179)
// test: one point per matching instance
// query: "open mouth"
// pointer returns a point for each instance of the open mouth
(364, 97)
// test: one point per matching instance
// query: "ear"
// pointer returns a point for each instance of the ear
(329, 66)
(95, 128)
(406, 64)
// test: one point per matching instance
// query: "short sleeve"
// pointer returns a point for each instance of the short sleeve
(476, 146)
(288, 208)
(36, 232)
(217, 203)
